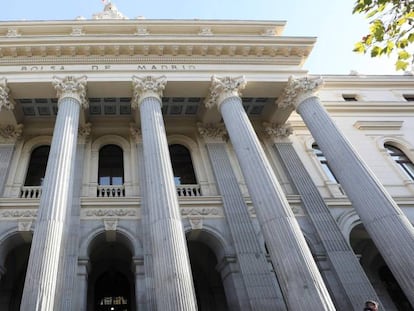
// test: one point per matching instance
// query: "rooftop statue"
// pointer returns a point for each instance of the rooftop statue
(110, 12)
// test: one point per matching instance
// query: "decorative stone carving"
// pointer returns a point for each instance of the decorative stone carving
(110, 224)
(205, 31)
(297, 90)
(269, 32)
(145, 87)
(209, 212)
(110, 12)
(13, 32)
(121, 212)
(11, 132)
(223, 87)
(72, 87)
(142, 31)
(77, 31)
(85, 130)
(4, 95)
(25, 225)
(135, 132)
(212, 131)
(277, 131)
(196, 223)
(19, 213)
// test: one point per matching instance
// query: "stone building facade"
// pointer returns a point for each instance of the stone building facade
(176, 165)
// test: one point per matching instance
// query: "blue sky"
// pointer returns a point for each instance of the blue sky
(331, 21)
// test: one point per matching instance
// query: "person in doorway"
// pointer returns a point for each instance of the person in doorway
(371, 305)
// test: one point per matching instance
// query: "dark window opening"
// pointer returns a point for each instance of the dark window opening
(111, 166)
(37, 166)
(409, 97)
(350, 98)
(182, 165)
(402, 160)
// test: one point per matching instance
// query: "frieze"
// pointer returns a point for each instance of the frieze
(112, 212)
(18, 213)
(206, 211)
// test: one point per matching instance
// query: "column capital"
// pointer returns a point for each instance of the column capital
(71, 86)
(277, 131)
(212, 132)
(84, 132)
(4, 95)
(224, 87)
(10, 133)
(148, 86)
(297, 90)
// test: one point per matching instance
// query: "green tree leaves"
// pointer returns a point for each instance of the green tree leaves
(391, 29)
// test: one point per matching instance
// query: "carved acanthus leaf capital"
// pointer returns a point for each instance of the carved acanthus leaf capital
(72, 87)
(4, 95)
(277, 131)
(297, 90)
(148, 86)
(212, 131)
(224, 87)
(11, 132)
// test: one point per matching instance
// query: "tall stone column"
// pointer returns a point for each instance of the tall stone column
(48, 240)
(9, 134)
(263, 295)
(386, 224)
(172, 273)
(298, 275)
(345, 264)
(149, 292)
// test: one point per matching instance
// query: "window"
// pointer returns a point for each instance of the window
(111, 166)
(401, 159)
(182, 165)
(37, 166)
(408, 97)
(324, 163)
(349, 97)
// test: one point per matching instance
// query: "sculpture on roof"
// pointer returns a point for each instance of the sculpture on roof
(110, 12)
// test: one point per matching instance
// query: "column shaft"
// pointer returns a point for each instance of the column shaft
(298, 275)
(265, 294)
(343, 260)
(47, 245)
(172, 273)
(386, 224)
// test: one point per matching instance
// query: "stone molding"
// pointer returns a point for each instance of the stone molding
(297, 90)
(71, 86)
(148, 86)
(77, 31)
(11, 133)
(212, 132)
(13, 33)
(4, 95)
(224, 87)
(84, 132)
(142, 31)
(277, 131)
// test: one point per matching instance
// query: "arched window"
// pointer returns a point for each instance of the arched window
(37, 166)
(324, 163)
(111, 166)
(182, 165)
(401, 159)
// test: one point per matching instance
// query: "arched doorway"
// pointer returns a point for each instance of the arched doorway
(111, 282)
(207, 281)
(12, 282)
(380, 276)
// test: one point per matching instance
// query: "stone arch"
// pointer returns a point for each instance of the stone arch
(127, 238)
(111, 275)
(14, 257)
(348, 221)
